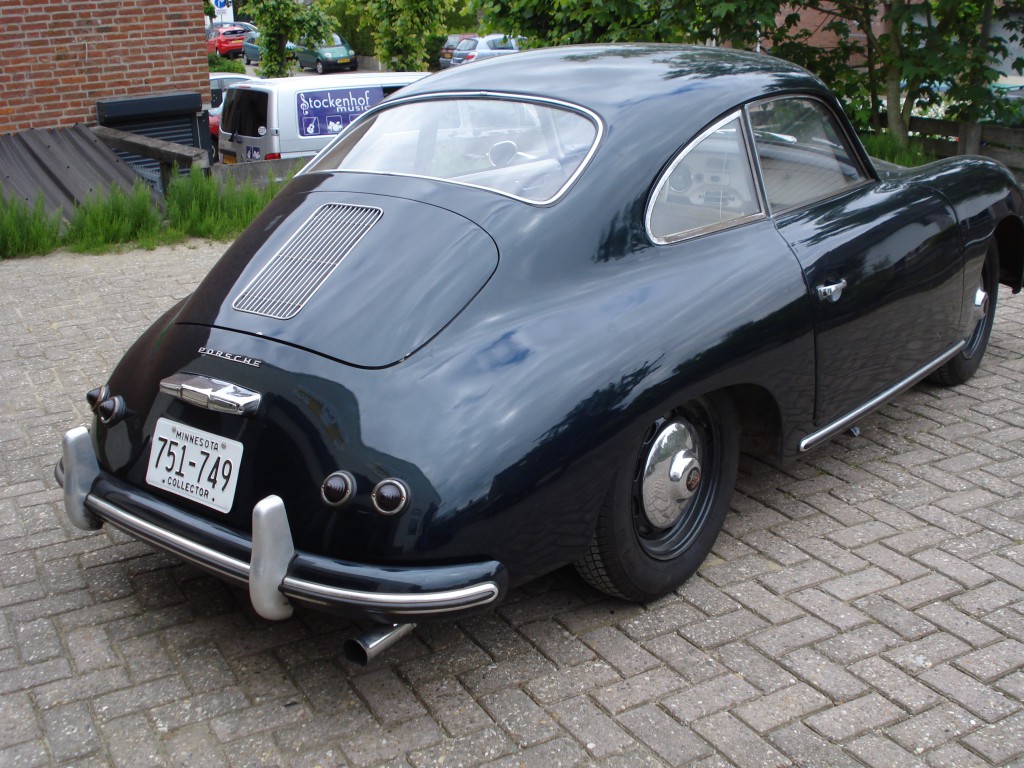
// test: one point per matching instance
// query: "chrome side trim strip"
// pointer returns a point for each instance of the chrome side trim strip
(211, 394)
(844, 422)
(429, 602)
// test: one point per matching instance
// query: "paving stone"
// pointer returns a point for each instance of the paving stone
(825, 675)
(762, 602)
(687, 660)
(840, 614)
(754, 667)
(914, 658)
(855, 718)
(777, 641)
(895, 685)
(769, 712)
(719, 630)
(624, 654)
(471, 749)
(740, 745)
(560, 752)
(999, 742)
(710, 697)
(551, 639)
(958, 624)
(932, 728)
(453, 706)
(671, 740)
(808, 750)
(993, 662)
(598, 733)
(927, 589)
(986, 703)
(389, 699)
(876, 751)
(640, 689)
(18, 718)
(520, 716)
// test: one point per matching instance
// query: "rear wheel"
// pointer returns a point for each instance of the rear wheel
(965, 364)
(668, 502)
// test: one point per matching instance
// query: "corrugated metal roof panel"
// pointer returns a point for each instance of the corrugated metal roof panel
(66, 165)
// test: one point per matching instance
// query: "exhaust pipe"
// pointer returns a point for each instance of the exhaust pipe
(366, 647)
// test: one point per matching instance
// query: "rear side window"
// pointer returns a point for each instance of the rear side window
(803, 155)
(245, 112)
(709, 186)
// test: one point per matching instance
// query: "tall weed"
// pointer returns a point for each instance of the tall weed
(26, 231)
(113, 219)
(198, 205)
(886, 147)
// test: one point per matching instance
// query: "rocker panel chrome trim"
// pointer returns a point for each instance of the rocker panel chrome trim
(845, 422)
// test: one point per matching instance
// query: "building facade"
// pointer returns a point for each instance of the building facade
(61, 56)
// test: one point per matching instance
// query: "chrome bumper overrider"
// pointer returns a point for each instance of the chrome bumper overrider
(269, 571)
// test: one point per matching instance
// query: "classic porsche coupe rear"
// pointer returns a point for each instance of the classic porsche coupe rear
(526, 315)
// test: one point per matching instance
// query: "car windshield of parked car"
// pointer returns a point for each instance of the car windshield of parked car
(801, 151)
(525, 149)
(710, 185)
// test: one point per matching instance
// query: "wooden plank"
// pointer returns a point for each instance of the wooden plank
(166, 152)
(1007, 137)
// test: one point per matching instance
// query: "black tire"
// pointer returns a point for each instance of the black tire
(643, 550)
(962, 366)
(319, 66)
(245, 60)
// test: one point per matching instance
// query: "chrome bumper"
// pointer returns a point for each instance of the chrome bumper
(269, 571)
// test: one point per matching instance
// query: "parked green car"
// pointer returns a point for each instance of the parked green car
(333, 54)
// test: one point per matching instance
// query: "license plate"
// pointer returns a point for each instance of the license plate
(196, 465)
(226, 158)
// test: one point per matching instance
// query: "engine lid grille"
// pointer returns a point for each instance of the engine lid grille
(293, 274)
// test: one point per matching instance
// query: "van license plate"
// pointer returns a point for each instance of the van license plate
(194, 464)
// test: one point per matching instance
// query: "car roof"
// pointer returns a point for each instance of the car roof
(633, 83)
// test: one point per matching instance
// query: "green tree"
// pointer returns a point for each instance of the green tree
(927, 50)
(403, 29)
(280, 21)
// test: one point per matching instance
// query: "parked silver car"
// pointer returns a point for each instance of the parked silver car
(478, 48)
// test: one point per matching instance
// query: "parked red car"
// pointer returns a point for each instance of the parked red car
(227, 41)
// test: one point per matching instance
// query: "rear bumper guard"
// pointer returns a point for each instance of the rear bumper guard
(270, 572)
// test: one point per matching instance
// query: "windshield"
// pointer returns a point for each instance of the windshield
(524, 149)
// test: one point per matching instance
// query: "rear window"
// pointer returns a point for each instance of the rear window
(245, 112)
(524, 149)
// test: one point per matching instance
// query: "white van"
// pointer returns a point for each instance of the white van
(287, 117)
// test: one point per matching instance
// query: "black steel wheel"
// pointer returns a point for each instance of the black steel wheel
(668, 502)
(962, 366)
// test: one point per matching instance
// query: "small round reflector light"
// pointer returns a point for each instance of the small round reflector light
(96, 396)
(390, 496)
(337, 488)
(112, 410)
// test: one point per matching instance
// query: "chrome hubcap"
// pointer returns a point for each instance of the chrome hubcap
(671, 475)
(980, 305)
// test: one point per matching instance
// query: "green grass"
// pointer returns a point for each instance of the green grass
(195, 205)
(884, 146)
(198, 205)
(115, 218)
(27, 231)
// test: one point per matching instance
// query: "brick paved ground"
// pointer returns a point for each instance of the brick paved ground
(863, 607)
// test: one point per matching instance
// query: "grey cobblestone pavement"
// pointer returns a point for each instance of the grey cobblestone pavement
(864, 606)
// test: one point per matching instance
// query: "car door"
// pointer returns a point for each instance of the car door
(882, 260)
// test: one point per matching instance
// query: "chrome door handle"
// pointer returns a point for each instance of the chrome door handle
(831, 292)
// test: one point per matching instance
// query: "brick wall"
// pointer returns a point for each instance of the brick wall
(60, 56)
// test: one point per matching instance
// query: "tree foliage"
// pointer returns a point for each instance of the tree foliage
(401, 30)
(906, 54)
(280, 21)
